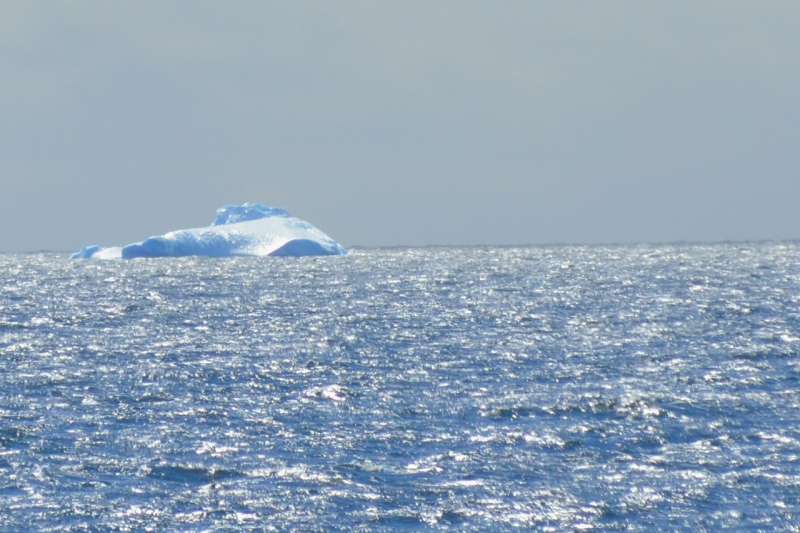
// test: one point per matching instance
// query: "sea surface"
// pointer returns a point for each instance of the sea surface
(621, 387)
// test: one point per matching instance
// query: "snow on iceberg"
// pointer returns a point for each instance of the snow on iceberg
(246, 229)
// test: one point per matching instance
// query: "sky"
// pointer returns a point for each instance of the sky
(402, 123)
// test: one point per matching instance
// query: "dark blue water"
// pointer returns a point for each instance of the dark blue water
(648, 387)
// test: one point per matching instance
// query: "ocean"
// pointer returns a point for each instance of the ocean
(647, 387)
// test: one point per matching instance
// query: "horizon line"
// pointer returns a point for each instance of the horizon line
(554, 244)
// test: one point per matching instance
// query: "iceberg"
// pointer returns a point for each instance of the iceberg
(247, 229)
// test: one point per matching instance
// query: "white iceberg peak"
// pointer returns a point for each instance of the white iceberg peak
(246, 229)
(231, 214)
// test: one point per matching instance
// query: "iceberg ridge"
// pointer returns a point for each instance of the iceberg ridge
(245, 229)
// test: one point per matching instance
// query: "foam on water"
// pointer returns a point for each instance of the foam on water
(647, 388)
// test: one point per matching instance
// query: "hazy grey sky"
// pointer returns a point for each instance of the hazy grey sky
(402, 122)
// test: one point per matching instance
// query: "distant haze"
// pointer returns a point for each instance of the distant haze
(411, 122)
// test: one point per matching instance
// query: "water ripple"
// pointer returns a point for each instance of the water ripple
(641, 387)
